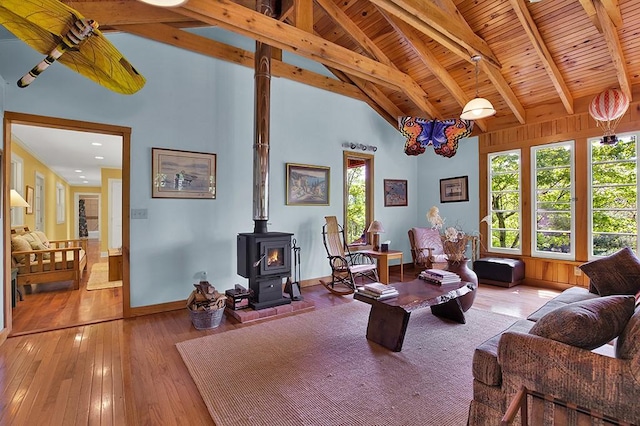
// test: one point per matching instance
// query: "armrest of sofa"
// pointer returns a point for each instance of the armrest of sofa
(606, 384)
(79, 242)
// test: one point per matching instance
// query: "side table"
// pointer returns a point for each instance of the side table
(383, 262)
(115, 264)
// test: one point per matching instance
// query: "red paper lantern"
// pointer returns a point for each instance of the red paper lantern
(607, 108)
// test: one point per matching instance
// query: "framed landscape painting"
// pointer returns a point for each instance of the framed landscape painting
(307, 185)
(454, 189)
(395, 192)
(183, 174)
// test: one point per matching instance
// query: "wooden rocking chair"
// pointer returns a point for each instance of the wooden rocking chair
(346, 267)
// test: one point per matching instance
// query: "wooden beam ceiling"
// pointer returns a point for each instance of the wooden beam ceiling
(521, 10)
(610, 34)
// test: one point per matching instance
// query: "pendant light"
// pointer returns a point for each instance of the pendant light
(165, 3)
(477, 107)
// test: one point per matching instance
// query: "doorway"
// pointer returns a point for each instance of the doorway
(78, 307)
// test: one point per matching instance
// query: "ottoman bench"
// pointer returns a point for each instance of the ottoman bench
(499, 271)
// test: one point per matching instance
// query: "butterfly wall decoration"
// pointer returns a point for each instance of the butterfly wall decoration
(442, 134)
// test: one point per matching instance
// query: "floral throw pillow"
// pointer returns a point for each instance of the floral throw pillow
(615, 274)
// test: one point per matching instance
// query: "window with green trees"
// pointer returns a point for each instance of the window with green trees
(504, 202)
(614, 195)
(358, 196)
(553, 195)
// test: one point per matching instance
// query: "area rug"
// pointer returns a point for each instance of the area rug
(99, 278)
(318, 368)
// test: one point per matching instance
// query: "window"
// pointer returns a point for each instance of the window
(614, 195)
(553, 227)
(358, 196)
(504, 202)
(60, 203)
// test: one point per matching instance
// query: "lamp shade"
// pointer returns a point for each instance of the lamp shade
(165, 3)
(16, 200)
(375, 227)
(476, 109)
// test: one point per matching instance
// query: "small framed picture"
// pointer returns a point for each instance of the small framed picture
(454, 189)
(183, 174)
(307, 185)
(395, 192)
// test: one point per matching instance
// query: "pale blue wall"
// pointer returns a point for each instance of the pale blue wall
(192, 102)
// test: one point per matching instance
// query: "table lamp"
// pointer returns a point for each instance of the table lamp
(16, 200)
(376, 229)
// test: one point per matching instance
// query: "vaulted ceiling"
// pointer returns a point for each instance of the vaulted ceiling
(413, 57)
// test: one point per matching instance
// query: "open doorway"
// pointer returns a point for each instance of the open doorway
(71, 200)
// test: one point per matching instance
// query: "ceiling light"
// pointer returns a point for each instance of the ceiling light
(97, 157)
(165, 3)
(478, 107)
(96, 144)
(78, 171)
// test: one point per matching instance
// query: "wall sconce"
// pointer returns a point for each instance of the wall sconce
(376, 228)
(363, 147)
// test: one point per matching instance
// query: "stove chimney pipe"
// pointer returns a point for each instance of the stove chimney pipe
(262, 97)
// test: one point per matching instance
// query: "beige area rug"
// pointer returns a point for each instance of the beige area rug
(318, 368)
(99, 278)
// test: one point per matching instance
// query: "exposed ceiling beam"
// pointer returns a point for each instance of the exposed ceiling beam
(423, 52)
(615, 49)
(613, 10)
(108, 13)
(303, 15)
(374, 97)
(413, 91)
(590, 9)
(267, 30)
(185, 40)
(531, 29)
(428, 18)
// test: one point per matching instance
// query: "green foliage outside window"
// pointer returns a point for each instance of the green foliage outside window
(356, 206)
(505, 200)
(614, 197)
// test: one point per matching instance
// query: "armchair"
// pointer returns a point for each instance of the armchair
(426, 249)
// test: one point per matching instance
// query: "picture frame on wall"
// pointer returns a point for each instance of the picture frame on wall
(454, 189)
(307, 185)
(29, 200)
(183, 174)
(395, 193)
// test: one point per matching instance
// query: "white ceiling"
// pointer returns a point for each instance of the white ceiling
(67, 151)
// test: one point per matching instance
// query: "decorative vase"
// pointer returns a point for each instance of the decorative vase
(466, 274)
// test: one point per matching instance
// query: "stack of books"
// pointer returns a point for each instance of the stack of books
(439, 276)
(378, 291)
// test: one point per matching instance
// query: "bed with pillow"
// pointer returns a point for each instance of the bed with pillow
(40, 260)
(581, 348)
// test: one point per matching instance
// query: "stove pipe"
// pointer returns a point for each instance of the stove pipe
(262, 96)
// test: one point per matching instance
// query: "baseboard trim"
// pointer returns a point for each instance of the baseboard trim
(156, 309)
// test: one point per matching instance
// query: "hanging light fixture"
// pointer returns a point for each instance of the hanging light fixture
(165, 3)
(477, 107)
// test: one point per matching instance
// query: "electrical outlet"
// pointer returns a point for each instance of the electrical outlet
(577, 271)
(138, 213)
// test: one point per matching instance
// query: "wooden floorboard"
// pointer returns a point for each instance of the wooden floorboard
(129, 371)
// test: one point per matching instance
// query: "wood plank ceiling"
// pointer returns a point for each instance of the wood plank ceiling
(413, 57)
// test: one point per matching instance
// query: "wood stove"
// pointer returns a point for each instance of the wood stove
(265, 259)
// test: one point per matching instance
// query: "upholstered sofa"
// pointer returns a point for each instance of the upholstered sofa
(582, 347)
(40, 260)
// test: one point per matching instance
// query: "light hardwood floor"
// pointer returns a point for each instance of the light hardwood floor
(129, 371)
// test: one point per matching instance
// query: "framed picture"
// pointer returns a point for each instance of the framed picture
(29, 200)
(395, 192)
(307, 185)
(183, 174)
(454, 189)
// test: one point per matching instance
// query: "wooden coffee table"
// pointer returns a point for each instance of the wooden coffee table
(389, 318)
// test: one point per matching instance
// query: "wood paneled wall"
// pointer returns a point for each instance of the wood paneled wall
(578, 127)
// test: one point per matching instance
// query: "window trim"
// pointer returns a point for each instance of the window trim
(534, 202)
(60, 203)
(370, 185)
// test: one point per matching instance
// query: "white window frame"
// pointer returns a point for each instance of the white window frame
(17, 183)
(590, 254)
(534, 203)
(491, 248)
(60, 203)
